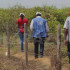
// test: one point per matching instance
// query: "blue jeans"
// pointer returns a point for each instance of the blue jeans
(21, 35)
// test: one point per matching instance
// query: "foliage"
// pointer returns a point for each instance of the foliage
(64, 52)
(53, 16)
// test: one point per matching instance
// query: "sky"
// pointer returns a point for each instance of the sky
(33, 3)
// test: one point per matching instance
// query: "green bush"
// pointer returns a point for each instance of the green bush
(53, 16)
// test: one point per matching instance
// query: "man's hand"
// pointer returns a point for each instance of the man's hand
(47, 35)
(65, 42)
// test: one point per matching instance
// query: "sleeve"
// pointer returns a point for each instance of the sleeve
(47, 28)
(66, 24)
(31, 25)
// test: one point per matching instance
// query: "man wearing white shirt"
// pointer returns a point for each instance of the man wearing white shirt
(67, 35)
(40, 32)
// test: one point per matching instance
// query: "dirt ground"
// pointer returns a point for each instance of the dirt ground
(17, 61)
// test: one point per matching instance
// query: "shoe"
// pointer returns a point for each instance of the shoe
(22, 50)
(69, 61)
(36, 57)
(41, 56)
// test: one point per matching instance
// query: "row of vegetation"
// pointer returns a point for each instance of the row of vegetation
(53, 16)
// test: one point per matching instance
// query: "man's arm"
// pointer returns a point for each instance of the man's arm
(65, 33)
(47, 29)
(66, 27)
(65, 36)
(31, 25)
(47, 34)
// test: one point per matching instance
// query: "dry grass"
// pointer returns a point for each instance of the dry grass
(17, 60)
(17, 63)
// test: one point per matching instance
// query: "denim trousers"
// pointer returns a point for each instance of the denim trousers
(38, 41)
(21, 35)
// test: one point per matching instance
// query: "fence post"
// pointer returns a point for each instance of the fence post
(8, 41)
(59, 47)
(26, 44)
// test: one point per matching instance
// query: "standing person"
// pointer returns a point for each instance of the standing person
(40, 32)
(67, 35)
(20, 25)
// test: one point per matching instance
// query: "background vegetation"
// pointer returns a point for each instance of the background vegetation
(53, 16)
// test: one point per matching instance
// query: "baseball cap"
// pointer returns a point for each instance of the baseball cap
(38, 13)
(21, 14)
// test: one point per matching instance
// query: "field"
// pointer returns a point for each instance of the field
(17, 59)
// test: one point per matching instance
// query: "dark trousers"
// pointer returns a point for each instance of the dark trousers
(38, 41)
(68, 50)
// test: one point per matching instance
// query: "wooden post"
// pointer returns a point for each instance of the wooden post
(2, 39)
(59, 47)
(26, 44)
(56, 60)
(8, 41)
